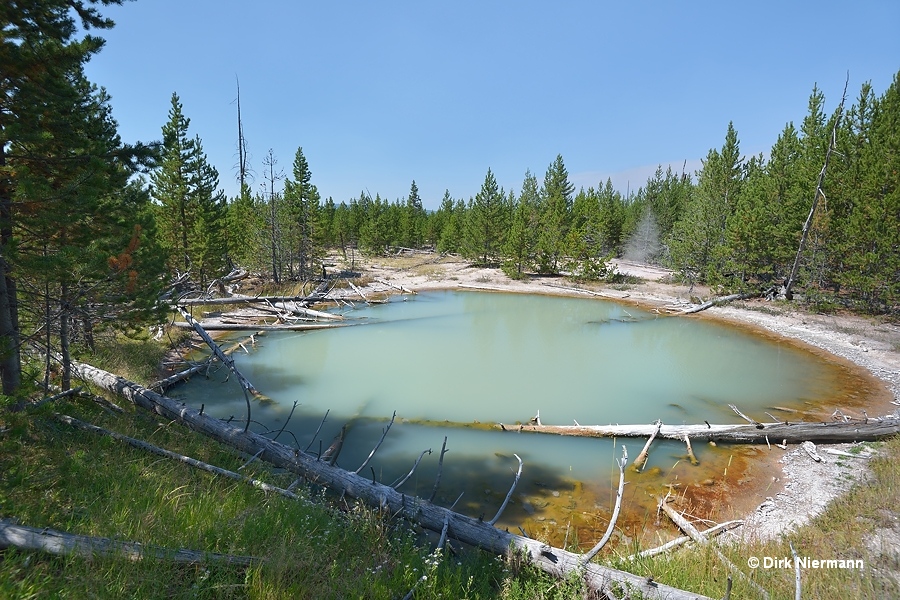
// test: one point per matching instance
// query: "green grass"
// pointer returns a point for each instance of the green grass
(61, 478)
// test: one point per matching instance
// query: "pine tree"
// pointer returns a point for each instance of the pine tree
(555, 216)
(450, 239)
(412, 219)
(697, 243)
(486, 226)
(301, 199)
(870, 231)
(65, 207)
(171, 188)
(521, 239)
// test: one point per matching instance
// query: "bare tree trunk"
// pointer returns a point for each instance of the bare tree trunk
(64, 338)
(468, 530)
(818, 194)
(59, 542)
(791, 433)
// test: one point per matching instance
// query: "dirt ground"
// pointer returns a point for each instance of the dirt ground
(869, 347)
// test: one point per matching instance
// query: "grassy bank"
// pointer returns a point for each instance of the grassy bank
(58, 477)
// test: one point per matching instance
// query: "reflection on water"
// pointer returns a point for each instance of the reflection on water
(486, 358)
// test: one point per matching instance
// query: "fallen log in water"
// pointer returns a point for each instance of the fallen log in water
(253, 327)
(790, 433)
(476, 532)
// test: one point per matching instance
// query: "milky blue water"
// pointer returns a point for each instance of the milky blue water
(486, 357)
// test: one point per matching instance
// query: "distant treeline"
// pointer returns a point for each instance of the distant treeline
(735, 224)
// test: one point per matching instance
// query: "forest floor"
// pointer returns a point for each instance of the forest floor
(868, 347)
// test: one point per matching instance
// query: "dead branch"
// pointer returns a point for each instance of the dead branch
(641, 459)
(378, 445)
(358, 291)
(246, 386)
(226, 360)
(744, 417)
(437, 480)
(690, 451)
(509, 494)
(163, 384)
(695, 535)
(318, 429)
(810, 449)
(264, 327)
(59, 396)
(712, 531)
(62, 543)
(403, 480)
(615, 515)
(400, 288)
(330, 455)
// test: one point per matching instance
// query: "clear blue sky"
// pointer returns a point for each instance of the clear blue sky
(382, 93)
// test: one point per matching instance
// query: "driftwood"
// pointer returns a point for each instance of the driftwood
(307, 312)
(226, 360)
(712, 531)
(61, 543)
(163, 384)
(615, 514)
(793, 433)
(399, 288)
(690, 451)
(641, 460)
(699, 538)
(718, 301)
(476, 532)
(255, 327)
(359, 291)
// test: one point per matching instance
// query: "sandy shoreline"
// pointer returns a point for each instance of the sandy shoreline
(866, 346)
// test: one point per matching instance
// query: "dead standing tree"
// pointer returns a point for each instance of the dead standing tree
(819, 193)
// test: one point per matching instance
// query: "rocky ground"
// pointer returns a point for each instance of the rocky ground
(869, 346)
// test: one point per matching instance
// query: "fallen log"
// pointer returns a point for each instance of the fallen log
(468, 530)
(699, 538)
(62, 543)
(400, 288)
(793, 433)
(718, 301)
(193, 462)
(258, 327)
(307, 312)
(226, 360)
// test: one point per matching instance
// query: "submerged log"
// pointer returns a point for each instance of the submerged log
(793, 433)
(476, 532)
